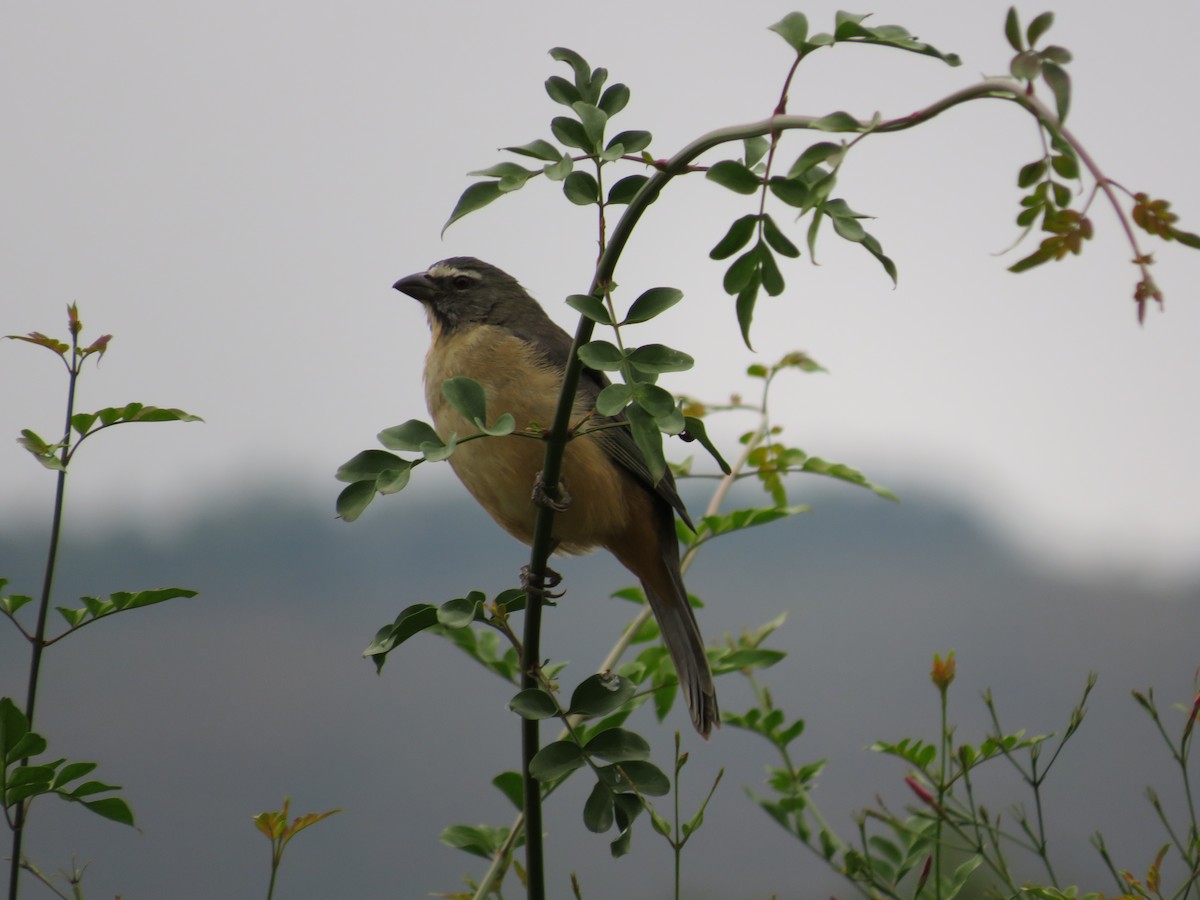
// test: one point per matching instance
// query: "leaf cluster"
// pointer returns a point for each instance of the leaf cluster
(21, 780)
(581, 136)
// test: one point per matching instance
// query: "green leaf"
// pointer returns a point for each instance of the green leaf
(555, 760)
(849, 228)
(601, 694)
(758, 658)
(645, 432)
(14, 726)
(614, 99)
(533, 703)
(1026, 66)
(512, 177)
(1012, 30)
(477, 196)
(617, 745)
(510, 785)
(1039, 26)
(645, 776)
(602, 356)
(44, 453)
(559, 170)
(872, 246)
(370, 464)
(594, 121)
(743, 270)
(733, 175)
(354, 499)
(71, 772)
(613, 398)
(412, 435)
(13, 602)
(793, 28)
(1032, 173)
(695, 430)
(772, 278)
(1059, 83)
(626, 808)
(1066, 167)
(658, 358)
(460, 612)
(747, 518)
(571, 132)
(657, 402)
(778, 240)
(577, 63)
(1187, 238)
(735, 238)
(598, 809)
(412, 620)
(746, 300)
(837, 121)
(850, 28)
(632, 141)
(626, 189)
(591, 307)
(538, 149)
(1043, 254)
(842, 472)
(581, 188)
(814, 155)
(562, 91)
(112, 808)
(755, 148)
(479, 840)
(651, 303)
(792, 191)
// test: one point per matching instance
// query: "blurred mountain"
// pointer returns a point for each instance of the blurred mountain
(211, 710)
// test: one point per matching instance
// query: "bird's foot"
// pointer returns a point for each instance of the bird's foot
(544, 591)
(541, 496)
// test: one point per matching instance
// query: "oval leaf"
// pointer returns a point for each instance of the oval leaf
(533, 703)
(651, 303)
(617, 745)
(591, 307)
(556, 760)
(475, 197)
(601, 355)
(733, 175)
(600, 694)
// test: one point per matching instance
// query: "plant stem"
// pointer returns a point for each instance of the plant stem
(38, 641)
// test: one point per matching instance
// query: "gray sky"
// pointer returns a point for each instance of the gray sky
(232, 188)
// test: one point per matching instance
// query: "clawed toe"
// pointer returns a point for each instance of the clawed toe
(542, 497)
(545, 590)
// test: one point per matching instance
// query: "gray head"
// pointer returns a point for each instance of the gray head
(463, 291)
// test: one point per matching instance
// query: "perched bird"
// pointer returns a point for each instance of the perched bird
(485, 326)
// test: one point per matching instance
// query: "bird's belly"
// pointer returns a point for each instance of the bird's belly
(500, 471)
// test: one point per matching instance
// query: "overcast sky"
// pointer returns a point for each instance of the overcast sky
(231, 189)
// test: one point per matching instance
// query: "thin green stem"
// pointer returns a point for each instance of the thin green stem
(38, 639)
(943, 756)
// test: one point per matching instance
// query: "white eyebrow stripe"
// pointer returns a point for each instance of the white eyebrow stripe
(442, 270)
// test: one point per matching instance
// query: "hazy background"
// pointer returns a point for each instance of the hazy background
(231, 189)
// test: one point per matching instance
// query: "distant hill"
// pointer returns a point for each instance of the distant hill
(211, 710)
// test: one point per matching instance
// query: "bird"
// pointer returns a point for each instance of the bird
(486, 326)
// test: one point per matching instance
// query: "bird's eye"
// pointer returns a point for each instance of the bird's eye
(462, 282)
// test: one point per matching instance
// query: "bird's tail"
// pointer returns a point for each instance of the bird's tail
(682, 636)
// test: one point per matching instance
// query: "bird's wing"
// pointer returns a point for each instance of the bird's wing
(555, 346)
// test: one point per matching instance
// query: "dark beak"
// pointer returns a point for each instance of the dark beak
(419, 287)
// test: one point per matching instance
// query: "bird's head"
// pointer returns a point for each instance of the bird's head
(462, 291)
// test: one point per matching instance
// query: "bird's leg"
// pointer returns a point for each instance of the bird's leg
(541, 496)
(545, 590)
